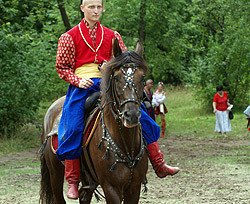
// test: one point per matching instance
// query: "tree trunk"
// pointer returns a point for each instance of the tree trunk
(64, 15)
(142, 33)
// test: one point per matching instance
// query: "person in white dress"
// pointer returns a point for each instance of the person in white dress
(159, 98)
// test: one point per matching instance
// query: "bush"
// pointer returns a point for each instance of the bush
(226, 64)
(224, 51)
(27, 77)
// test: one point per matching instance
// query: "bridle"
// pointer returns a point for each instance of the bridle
(129, 83)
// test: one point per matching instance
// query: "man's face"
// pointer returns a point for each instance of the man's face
(92, 10)
(150, 84)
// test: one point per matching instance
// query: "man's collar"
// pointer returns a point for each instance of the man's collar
(88, 25)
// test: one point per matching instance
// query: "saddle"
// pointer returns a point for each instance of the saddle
(54, 114)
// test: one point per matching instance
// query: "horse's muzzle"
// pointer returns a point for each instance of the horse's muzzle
(131, 118)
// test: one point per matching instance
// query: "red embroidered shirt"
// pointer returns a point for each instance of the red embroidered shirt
(92, 31)
(221, 102)
(66, 53)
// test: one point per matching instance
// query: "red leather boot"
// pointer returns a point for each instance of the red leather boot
(163, 127)
(157, 161)
(72, 175)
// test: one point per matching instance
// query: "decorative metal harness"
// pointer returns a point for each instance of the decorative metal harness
(129, 83)
(130, 160)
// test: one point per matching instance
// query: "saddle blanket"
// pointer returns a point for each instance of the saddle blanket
(89, 130)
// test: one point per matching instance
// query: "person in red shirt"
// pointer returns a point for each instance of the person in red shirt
(220, 105)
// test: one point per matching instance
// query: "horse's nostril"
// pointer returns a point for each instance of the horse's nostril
(127, 114)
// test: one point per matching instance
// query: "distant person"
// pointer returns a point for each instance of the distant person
(147, 98)
(159, 107)
(220, 105)
(247, 113)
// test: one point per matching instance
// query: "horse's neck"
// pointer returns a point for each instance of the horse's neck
(118, 131)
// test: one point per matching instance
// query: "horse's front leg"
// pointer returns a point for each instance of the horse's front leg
(112, 195)
(132, 195)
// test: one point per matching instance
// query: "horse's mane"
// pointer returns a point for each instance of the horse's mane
(115, 63)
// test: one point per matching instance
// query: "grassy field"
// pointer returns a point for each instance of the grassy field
(214, 168)
(187, 118)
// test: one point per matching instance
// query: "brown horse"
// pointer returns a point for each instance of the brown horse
(116, 151)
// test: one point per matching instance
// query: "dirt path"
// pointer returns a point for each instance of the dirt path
(212, 171)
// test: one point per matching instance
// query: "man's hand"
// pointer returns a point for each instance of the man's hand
(85, 83)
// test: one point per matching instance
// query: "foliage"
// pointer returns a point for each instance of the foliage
(166, 45)
(23, 82)
(26, 14)
(28, 43)
(113, 19)
(225, 51)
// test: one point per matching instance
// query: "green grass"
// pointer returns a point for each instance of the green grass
(25, 138)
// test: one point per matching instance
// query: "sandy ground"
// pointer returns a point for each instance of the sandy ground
(212, 171)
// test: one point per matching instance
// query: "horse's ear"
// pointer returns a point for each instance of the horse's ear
(116, 48)
(139, 48)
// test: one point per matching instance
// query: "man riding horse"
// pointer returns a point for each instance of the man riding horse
(79, 53)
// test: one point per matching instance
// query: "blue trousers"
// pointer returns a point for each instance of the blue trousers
(71, 124)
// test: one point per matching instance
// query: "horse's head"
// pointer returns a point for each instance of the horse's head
(123, 83)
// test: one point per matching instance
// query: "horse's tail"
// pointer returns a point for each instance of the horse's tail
(46, 195)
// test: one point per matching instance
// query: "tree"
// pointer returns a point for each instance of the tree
(225, 50)
(167, 42)
(27, 50)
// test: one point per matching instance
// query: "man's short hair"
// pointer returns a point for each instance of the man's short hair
(85, 0)
(149, 81)
(103, 6)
